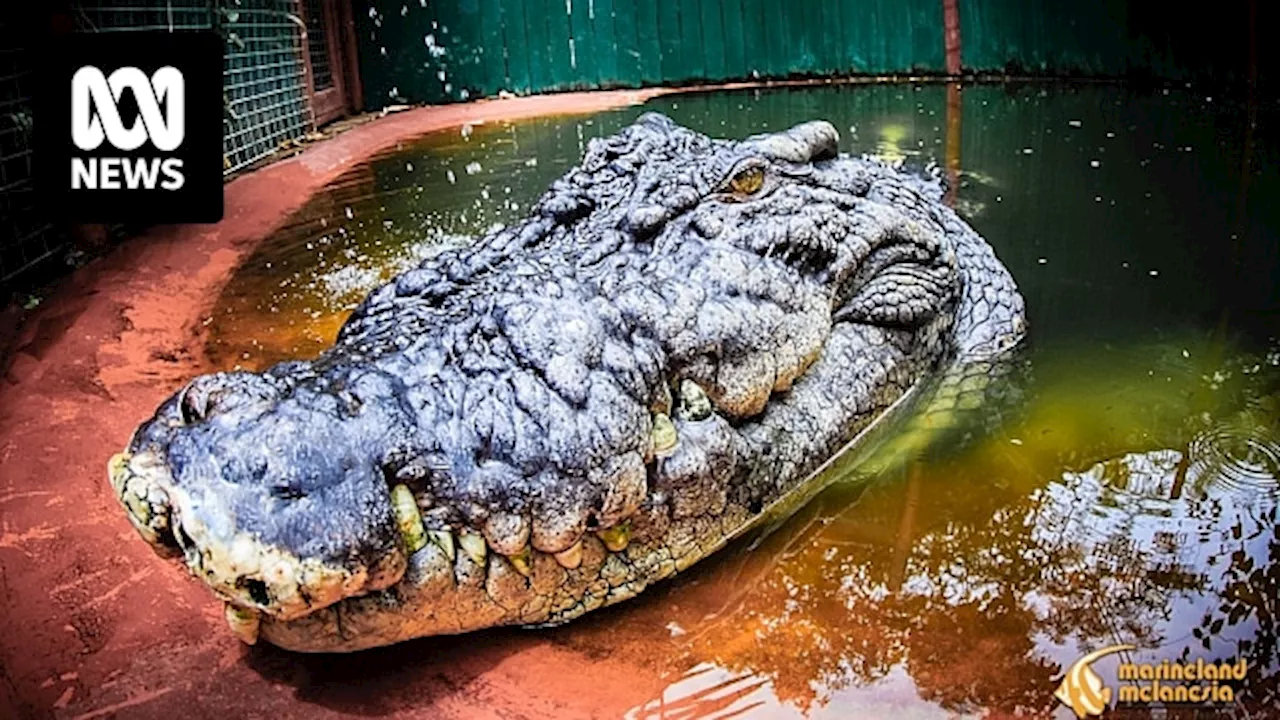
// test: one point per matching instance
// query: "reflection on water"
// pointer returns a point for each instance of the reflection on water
(1129, 495)
(966, 579)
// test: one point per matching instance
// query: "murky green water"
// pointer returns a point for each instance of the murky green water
(1129, 497)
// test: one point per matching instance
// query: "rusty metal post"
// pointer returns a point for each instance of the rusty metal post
(955, 110)
(904, 541)
(951, 36)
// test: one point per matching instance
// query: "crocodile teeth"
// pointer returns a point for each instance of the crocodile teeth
(617, 537)
(118, 471)
(522, 562)
(408, 518)
(507, 533)
(664, 435)
(572, 557)
(474, 546)
(694, 404)
(243, 622)
(443, 539)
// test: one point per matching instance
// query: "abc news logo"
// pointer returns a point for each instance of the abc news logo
(129, 128)
(161, 106)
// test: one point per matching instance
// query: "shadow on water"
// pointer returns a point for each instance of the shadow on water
(1129, 496)
(386, 680)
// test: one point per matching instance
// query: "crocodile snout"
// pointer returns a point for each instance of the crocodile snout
(252, 577)
(136, 482)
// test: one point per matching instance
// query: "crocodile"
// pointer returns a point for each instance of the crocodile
(552, 418)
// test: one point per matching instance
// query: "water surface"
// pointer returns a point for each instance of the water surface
(1128, 496)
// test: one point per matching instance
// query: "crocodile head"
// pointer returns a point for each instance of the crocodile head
(575, 406)
(266, 490)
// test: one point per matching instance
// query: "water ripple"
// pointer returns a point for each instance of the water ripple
(1242, 458)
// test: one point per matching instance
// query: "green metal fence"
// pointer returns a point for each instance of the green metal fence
(1108, 37)
(431, 51)
(443, 51)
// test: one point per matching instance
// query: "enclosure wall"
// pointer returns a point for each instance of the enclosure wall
(429, 51)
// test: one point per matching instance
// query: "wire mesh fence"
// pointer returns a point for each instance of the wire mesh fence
(317, 39)
(266, 102)
(26, 238)
(143, 15)
(264, 79)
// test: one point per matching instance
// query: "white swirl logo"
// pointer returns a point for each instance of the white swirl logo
(164, 128)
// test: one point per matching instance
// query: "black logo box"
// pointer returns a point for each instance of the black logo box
(198, 56)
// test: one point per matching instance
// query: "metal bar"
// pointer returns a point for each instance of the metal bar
(236, 71)
(248, 98)
(242, 132)
(951, 36)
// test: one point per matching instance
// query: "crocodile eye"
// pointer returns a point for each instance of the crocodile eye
(748, 181)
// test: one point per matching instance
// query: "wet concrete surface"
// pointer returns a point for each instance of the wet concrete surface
(93, 624)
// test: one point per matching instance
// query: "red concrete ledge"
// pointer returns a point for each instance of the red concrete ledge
(94, 624)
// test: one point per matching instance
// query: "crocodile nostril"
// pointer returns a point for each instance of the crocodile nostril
(193, 404)
(257, 590)
(287, 492)
(220, 393)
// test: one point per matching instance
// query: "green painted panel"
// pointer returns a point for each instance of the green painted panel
(852, 37)
(800, 58)
(713, 41)
(826, 15)
(928, 51)
(691, 39)
(539, 48)
(625, 14)
(815, 32)
(456, 62)
(670, 46)
(561, 52)
(1054, 36)
(493, 63)
(647, 41)
(755, 56)
(478, 47)
(776, 42)
(734, 58)
(450, 50)
(515, 33)
(604, 32)
(583, 57)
